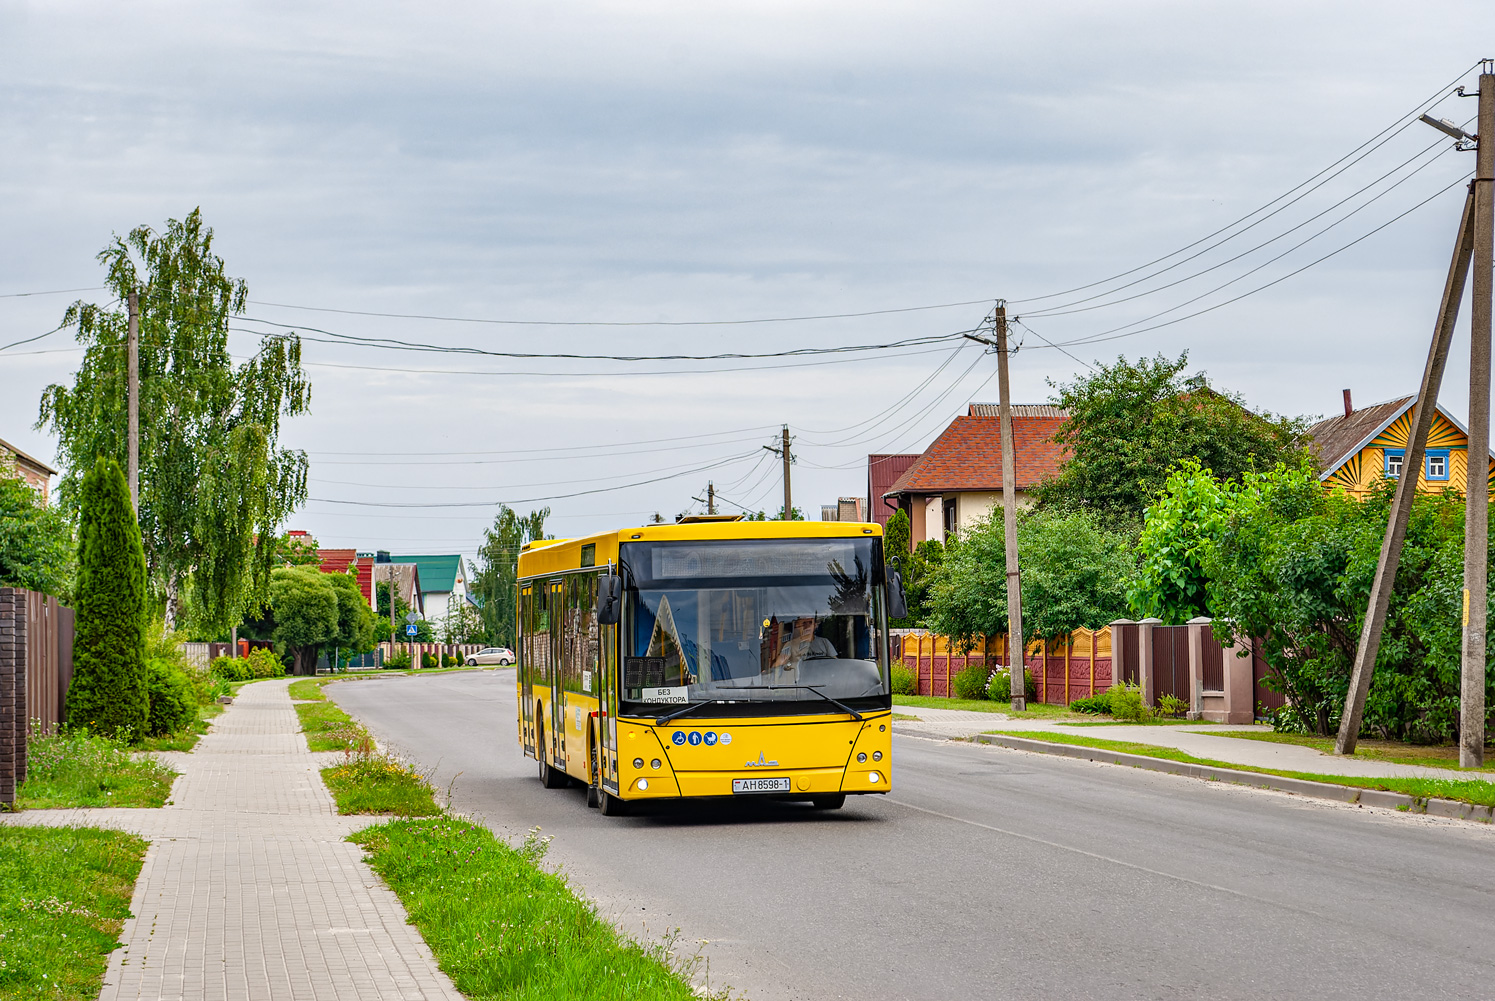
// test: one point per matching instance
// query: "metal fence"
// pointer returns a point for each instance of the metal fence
(36, 667)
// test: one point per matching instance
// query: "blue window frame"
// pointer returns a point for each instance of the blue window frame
(1394, 457)
(1436, 464)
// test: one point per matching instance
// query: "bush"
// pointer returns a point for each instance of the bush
(999, 688)
(1099, 705)
(1126, 702)
(397, 662)
(970, 683)
(1171, 705)
(230, 669)
(447, 660)
(429, 660)
(265, 663)
(905, 679)
(173, 702)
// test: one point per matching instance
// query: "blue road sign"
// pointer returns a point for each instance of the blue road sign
(411, 630)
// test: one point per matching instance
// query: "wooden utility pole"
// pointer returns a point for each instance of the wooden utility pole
(1016, 649)
(788, 497)
(133, 404)
(710, 497)
(1477, 485)
(1406, 486)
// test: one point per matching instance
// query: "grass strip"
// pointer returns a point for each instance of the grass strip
(77, 768)
(379, 784)
(187, 739)
(1474, 791)
(1426, 756)
(308, 689)
(64, 895)
(503, 927)
(328, 728)
(1036, 710)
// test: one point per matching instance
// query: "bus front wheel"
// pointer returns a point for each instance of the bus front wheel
(828, 802)
(610, 805)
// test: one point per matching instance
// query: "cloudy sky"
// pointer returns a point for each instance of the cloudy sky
(656, 163)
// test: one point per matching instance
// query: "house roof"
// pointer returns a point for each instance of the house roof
(437, 573)
(22, 457)
(1018, 410)
(968, 455)
(1344, 435)
(882, 472)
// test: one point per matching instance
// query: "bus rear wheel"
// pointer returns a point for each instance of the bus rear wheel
(828, 802)
(550, 778)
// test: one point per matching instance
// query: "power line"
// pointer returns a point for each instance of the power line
(55, 291)
(565, 448)
(491, 489)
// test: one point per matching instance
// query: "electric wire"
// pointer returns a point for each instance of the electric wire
(496, 489)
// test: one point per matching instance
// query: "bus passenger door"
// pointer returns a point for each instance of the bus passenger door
(556, 673)
(526, 633)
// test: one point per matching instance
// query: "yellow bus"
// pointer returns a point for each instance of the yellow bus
(709, 658)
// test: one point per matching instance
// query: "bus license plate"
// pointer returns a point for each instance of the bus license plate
(761, 785)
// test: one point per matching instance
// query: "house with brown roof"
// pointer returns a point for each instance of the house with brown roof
(883, 471)
(958, 478)
(35, 472)
(1359, 447)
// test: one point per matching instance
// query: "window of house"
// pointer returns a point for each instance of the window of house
(1437, 464)
(1394, 462)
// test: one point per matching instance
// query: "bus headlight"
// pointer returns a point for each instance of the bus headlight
(874, 777)
(638, 762)
(643, 784)
(876, 755)
(654, 764)
(862, 758)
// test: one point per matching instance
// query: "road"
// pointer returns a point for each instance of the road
(989, 873)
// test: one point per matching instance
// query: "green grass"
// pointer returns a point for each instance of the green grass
(64, 894)
(503, 927)
(980, 705)
(1427, 756)
(76, 768)
(328, 728)
(308, 689)
(187, 739)
(1474, 791)
(371, 783)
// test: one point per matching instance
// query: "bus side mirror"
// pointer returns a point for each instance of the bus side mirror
(897, 603)
(609, 599)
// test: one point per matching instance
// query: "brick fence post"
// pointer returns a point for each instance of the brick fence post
(12, 692)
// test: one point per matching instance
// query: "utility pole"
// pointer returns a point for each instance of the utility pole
(1406, 486)
(1015, 647)
(1477, 485)
(782, 451)
(788, 496)
(134, 401)
(710, 498)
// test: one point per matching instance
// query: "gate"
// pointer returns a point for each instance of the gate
(1170, 662)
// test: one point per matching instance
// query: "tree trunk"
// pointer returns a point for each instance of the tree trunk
(171, 599)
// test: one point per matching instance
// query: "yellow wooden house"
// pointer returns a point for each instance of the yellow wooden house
(1363, 446)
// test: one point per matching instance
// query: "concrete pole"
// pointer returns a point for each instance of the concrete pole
(1406, 487)
(134, 402)
(710, 497)
(1017, 652)
(788, 497)
(1477, 485)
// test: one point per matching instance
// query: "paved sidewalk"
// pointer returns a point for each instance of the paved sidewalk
(249, 890)
(1201, 740)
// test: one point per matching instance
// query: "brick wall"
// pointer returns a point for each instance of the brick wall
(12, 692)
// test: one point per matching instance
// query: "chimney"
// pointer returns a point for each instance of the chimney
(1349, 407)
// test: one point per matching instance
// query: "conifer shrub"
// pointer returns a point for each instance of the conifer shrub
(999, 688)
(108, 691)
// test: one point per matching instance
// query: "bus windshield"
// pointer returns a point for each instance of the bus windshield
(754, 621)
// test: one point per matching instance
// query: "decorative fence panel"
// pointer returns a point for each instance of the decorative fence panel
(1063, 670)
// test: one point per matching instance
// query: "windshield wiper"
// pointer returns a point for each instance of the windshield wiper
(816, 689)
(661, 721)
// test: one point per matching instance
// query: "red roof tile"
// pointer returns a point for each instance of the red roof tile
(968, 456)
(882, 472)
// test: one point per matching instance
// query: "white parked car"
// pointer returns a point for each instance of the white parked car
(500, 655)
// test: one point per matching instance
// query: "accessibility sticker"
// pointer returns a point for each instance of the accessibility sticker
(725, 738)
(710, 739)
(678, 738)
(695, 739)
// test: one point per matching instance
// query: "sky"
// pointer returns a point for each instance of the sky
(659, 164)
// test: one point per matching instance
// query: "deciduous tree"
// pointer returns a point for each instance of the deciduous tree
(215, 484)
(36, 542)
(303, 602)
(495, 574)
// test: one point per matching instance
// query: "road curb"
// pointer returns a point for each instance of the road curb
(1302, 787)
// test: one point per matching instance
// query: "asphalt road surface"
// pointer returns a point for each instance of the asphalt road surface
(990, 873)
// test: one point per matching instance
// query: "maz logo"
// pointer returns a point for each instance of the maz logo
(760, 763)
